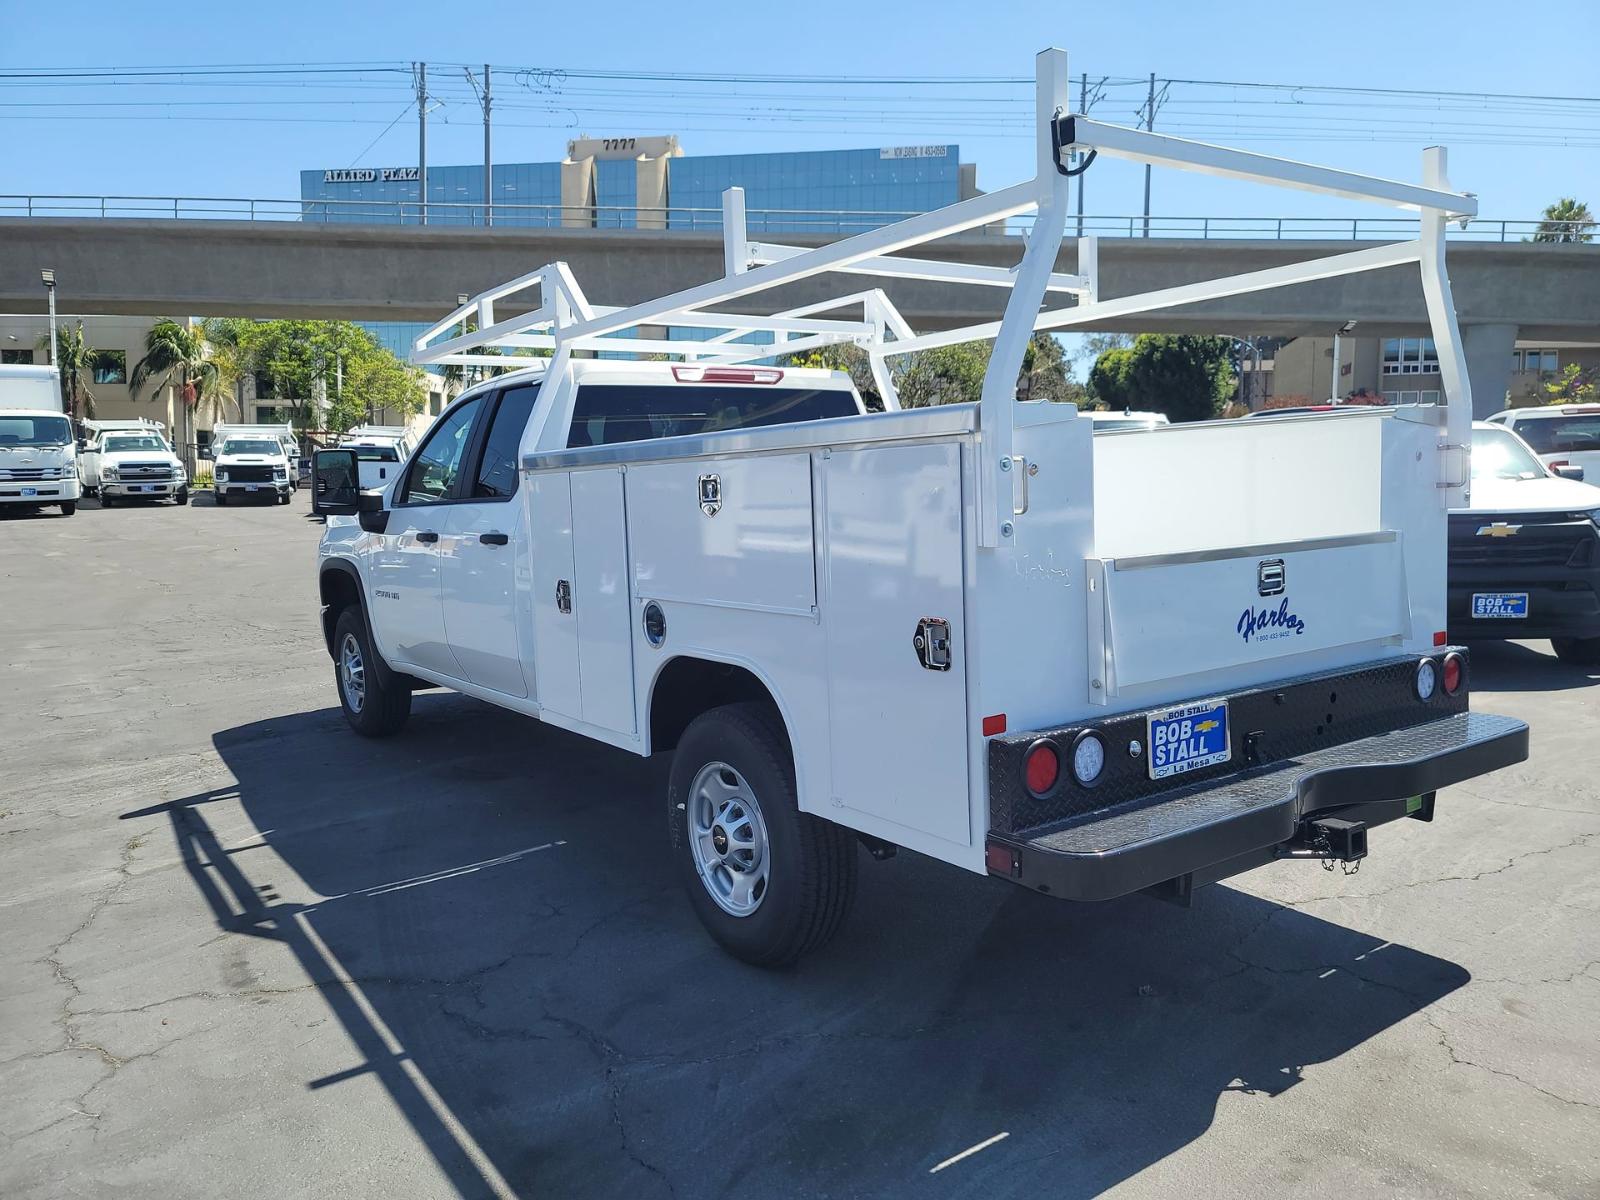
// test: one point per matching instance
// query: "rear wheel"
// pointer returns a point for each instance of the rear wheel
(1582, 651)
(768, 882)
(376, 702)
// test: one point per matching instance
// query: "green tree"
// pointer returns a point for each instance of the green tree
(229, 345)
(949, 374)
(175, 354)
(303, 361)
(1576, 385)
(77, 361)
(1187, 377)
(1567, 220)
(1046, 373)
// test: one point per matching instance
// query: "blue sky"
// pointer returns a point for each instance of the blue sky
(143, 143)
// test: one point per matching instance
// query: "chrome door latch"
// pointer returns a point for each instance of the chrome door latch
(932, 643)
(563, 596)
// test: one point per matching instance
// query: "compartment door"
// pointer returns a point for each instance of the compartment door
(601, 601)
(893, 557)
(555, 625)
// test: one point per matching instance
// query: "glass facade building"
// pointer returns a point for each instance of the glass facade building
(628, 183)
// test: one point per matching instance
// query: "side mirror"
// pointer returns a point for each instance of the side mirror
(1569, 471)
(83, 443)
(205, 453)
(335, 483)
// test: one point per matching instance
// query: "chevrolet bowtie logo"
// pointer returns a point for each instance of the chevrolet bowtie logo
(1498, 529)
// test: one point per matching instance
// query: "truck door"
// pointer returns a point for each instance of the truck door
(406, 602)
(480, 558)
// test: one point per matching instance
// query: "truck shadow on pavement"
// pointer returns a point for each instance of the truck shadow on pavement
(487, 907)
(1525, 667)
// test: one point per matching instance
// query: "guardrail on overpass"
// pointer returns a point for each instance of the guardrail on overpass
(760, 220)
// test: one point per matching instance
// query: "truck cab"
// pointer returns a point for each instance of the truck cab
(249, 464)
(37, 460)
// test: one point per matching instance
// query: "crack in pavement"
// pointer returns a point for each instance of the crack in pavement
(1457, 1060)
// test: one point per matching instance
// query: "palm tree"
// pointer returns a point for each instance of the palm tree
(77, 362)
(228, 346)
(1567, 220)
(175, 354)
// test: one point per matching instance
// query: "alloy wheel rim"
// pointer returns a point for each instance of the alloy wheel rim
(353, 673)
(728, 839)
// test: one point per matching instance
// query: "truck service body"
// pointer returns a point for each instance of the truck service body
(1089, 665)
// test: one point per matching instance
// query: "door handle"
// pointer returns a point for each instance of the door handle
(427, 536)
(494, 539)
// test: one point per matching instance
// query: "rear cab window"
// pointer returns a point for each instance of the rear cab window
(607, 414)
(1564, 434)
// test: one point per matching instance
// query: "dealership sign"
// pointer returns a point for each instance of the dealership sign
(373, 175)
(913, 151)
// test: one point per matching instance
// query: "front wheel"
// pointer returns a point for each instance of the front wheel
(1584, 652)
(376, 702)
(182, 496)
(68, 507)
(107, 500)
(220, 497)
(768, 882)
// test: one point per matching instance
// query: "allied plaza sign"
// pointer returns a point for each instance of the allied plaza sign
(373, 175)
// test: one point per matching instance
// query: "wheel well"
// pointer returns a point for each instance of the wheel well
(339, 591)
(687, 687)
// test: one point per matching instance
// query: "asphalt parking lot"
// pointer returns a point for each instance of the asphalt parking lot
(244, 953)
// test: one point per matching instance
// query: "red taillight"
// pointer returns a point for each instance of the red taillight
(1452, 674)
(1041, 768)
(727, 374)
(1441, 638)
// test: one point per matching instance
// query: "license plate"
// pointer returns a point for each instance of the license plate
(1185, 739)
(1494, 606)
(30, 491)
(139, 487)
(249, 487)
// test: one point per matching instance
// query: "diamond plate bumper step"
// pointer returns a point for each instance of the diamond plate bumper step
(1188, 830)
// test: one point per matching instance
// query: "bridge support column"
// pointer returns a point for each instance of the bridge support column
(1488, 353)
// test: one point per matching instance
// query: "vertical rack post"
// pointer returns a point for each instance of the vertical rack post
(1456, 469)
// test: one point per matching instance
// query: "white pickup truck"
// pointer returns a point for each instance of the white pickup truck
(1092, 666)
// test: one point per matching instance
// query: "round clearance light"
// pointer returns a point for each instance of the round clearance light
(1088, 758)
(1041, 768)
(1427, 679)
(1454, 673)
(655, 624)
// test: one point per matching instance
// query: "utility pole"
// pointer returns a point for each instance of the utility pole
(1149, 123)
(485, 101)
(422, 138)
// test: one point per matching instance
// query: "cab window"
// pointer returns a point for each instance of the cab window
(605, 414)
(434, 468)
(497, 470)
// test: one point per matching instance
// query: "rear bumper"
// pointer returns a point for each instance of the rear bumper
(1212, 830)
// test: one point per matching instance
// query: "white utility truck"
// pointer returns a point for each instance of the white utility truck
(249, 461)
(91, 446)
(38, 454)
(380, 449)
(1092, 666)
(284, 434)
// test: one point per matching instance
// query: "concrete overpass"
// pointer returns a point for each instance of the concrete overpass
(1549, 293)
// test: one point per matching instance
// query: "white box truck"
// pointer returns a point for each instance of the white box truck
(1090, 666)
(38, 453)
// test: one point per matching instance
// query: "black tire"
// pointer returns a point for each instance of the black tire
(1583, 652)
(182, 496)
(386, 703)
(107, 500)
(283, 497)
(221, 498)
(811, 880)
(68, 507)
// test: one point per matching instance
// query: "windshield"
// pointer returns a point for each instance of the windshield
(34, 431)
(1101, 424)
(1563, 434)
(143, 442)
(1497, 454)
(269, 446)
